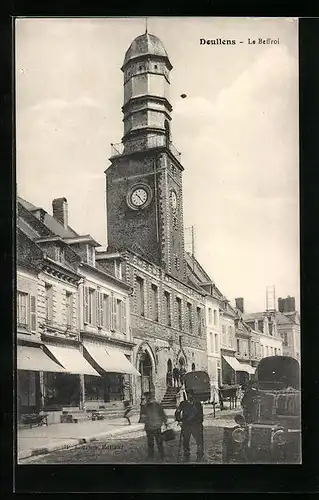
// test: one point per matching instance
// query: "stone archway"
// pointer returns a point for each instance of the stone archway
(181, 362)
(181, 359)
(146, 367)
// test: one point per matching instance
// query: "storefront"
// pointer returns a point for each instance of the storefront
(235, 372)
(63, 390)
(116, 370)
(30, 362)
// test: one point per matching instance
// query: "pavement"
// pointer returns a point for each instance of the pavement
(45, 439)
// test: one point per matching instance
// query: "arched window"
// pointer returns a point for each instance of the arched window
(193, 367)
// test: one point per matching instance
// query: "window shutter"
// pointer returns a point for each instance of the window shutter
(124, 316)
(86, 303)
(113, 314)
(106, 311)
(98, 308)
(101, 316)
(33, 317)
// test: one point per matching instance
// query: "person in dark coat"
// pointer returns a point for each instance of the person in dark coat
(176, 376)
(169, 378)
(182, 372)
(190, 415)
(154, 417)
(248, 401)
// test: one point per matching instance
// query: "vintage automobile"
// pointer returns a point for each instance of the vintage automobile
(269, 429)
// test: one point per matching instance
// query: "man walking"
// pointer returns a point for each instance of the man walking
(190, 414)
(182, 372)
(154, 417)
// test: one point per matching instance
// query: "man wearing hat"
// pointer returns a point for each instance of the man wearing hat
(190, 415)
(154, 417)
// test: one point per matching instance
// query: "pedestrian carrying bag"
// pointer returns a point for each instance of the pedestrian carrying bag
(168, 434)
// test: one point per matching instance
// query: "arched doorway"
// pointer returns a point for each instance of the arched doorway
(181, 362)
(146, 371)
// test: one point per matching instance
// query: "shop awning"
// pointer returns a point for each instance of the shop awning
(34, 359)
(247, 368)
(233, 363)
(110, 359)
(72, 360)
(239, 367)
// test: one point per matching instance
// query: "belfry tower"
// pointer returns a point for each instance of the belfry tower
(144, 180)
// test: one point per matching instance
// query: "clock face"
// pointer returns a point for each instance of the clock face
(139, 197)
(174, 200)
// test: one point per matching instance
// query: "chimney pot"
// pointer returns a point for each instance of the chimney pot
(240, 303)
(60, 210)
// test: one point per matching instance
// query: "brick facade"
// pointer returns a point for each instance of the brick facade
(155, 336)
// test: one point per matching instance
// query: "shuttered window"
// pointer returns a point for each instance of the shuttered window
(119, 312)
(89, 304)
(106, 312)
(26, 311)
(86, 304)
(123, 316)
(99, 309)
(33, 314)
(114, 323)
(49, 302)
(69, 308)
(22, 309)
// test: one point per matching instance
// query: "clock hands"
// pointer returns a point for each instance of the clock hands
(139, 197)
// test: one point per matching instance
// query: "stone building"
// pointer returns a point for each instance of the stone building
(145, 224)
(265, 325)
(288, 325)
(213, 300)
(82, 316)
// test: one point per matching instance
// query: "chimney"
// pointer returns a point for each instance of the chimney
(240, 304)
(286, 305)
(60, 210)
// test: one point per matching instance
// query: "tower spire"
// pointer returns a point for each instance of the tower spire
(146, 25)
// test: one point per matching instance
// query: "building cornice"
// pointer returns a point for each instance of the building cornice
(162, 271)
(59, 271)
(104, 274)
(109, 339)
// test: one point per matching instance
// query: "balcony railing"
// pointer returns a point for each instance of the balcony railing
(150, 142)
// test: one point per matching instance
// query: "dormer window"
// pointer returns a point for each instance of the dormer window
(59, 254)
(90, 255)
(118, 269)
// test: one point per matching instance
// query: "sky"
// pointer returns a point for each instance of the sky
(237, 130)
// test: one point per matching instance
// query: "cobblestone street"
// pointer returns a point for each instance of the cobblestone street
(131, 448)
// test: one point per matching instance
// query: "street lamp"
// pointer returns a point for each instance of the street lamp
(164, 348)
(168, 347)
